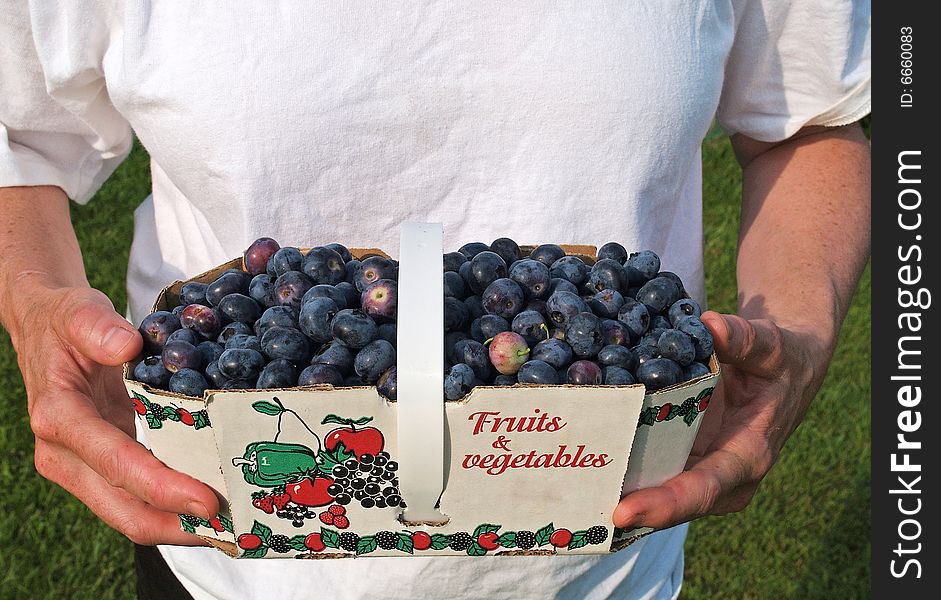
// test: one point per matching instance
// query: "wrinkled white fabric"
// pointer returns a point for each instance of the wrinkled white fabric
(566, 122)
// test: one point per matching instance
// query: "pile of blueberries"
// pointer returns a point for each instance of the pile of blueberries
(290, 319)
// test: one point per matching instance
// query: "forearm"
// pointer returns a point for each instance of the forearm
(805, 231)
(38, 246)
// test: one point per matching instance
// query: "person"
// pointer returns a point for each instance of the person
(337, 121)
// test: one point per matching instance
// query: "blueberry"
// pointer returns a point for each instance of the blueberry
(214, 375)
(651, 338)
(156, 328)
(502, 379)
(177, 310)
(455, 314)
(642, 266)
(682, 308)
(315, 318)
(380, 300)
(324, 265)
(373, 360)
(532, 276)
(658, 293)
(635, 316)
(256, 257)
(458, 382)
(531, 325)
(475, 307)
(261, 290)
(239, 307)
(239, 384)
(702, 338)
(388, 332)
(537, 371)
(279, 373)
(614, 251)
(557, 284)
(556, 353)
(387, 384)
(373, 269)
(617, 356)
(470, 281)
(354, 328)
(350, 293)
(284, 260)
(188, 382)
(607, 274)
(286, 342)
(322, 290)
(183, 335)
(660, 322)
(547, 254)
(617, 376)
(194, 292)
(615, 332)
(583, 372)
(203, 320)
(289, 289)
(320, 374)
(241, 363)
(241, 340)
(606, 303)
(570, 268)
(230, 282)
(353, 267)
(508, 249)
(486, 267)
(538, 305)
(276, 316)
(563, 306)
(694, 370)
(675, 279)
(677, 346)
(342, 250)
(643, 353)
(583, 334)
(454, 286)
(472, 249)
(657, 373)
(152, 372)
(473, 354)
(451, 339)
(180, 355)
(503, 298)
(453, 261)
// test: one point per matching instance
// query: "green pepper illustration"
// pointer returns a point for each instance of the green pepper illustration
(269, 464)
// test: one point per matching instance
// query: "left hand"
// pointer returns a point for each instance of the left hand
(769, 377)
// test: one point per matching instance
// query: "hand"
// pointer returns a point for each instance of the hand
(70, 344)
(769, 377)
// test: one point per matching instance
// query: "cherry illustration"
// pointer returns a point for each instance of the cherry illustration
(421, 540)
(249, 541)
(488, 541)
(664, 411)
(216, 524)
(314, 543)
(185, 417)
(139, 406)
(560, 538)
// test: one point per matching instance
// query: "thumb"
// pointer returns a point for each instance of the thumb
(739, 341)
(86, 319)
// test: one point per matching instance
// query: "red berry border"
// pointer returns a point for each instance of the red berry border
(689, 410)
(258, 542)
(190, 523)
(155, 414)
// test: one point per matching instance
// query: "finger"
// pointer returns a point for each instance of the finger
(738, 341)
(127, 514)
(118, 459)
(87, 320)
(691, 494)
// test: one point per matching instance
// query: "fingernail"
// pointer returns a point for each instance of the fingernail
(197, 509)
(116, 340)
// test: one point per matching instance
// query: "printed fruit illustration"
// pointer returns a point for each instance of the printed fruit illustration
(664, 411)
(185, 417)
(314, 543)
(327, 517)
(310, 492)
(365, 440)
(139, 406)
(704, 402)
(560, 538)
(280, 500)
(216, 524)
(488, 541)
(341, 522)
(266, 504)
(249, 541)
(421, 540)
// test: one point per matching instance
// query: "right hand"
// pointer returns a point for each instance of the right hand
(70, 346)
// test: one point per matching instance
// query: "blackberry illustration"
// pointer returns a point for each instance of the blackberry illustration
(392, 466)
(460, 541)
(279, 543)
(348, 541)
(687, 406)
(371, 489)
(157, 411)
(383, 455)
(525, 539)
(194, 521)
(596, 534)
(386, 540)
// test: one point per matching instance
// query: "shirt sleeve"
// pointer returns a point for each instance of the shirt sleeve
(57, 124)
(794, 64)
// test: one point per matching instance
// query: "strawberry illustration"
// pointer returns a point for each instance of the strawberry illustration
(266, 504)
(280, 500)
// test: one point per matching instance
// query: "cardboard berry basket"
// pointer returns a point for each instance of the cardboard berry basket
(521, 470)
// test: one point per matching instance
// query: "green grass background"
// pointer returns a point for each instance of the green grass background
(805, 535)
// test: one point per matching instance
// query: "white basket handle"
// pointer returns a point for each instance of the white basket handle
(419, 348)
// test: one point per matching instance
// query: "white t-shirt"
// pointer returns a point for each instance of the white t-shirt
(574, 122)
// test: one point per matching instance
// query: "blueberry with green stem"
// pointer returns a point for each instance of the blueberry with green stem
(531, 325)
